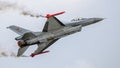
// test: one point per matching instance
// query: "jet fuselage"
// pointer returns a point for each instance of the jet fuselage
(53, 30)
(62, 32)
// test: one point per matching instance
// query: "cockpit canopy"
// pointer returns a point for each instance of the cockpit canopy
(78, 19)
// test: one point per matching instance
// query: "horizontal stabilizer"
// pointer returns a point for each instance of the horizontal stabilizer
(18, 30)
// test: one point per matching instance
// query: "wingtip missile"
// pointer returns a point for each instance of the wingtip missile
(33, 55)
(55, 14)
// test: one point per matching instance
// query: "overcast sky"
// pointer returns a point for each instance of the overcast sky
(96, 46)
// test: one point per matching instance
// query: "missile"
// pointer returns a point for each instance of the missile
(32, 55)
(55, 14)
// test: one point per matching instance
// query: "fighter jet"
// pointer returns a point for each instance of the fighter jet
(53, 30)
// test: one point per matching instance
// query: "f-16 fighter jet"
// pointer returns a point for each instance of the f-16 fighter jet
(53, 30)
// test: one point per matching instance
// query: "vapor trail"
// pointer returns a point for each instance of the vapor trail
(31, 14)
(6, 6)
(4, 52)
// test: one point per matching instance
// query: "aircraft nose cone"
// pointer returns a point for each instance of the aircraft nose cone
(99, 19)
(92, 21)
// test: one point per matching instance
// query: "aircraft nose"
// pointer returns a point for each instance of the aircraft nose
(98, 19)
(89, 21)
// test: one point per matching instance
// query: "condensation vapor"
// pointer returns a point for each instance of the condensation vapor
(6, 6)
(5, 52)
(31, 14)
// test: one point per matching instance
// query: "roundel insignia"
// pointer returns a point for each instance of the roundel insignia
(17, 28)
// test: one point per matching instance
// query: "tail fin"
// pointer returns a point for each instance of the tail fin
(52, 24)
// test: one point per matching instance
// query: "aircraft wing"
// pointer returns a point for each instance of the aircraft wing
(52, 24)
(18, 30)
(43, 46)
